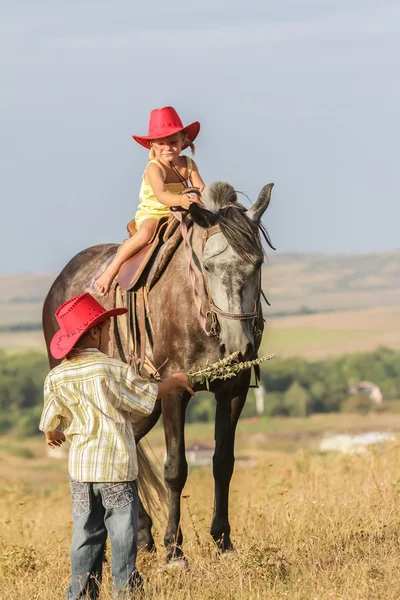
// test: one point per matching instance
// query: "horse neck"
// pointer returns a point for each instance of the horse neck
(182, 283)
(178, 335)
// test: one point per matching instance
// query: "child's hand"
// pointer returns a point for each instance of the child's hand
(178, 381)
(55, 438)
(188, 199)
(183, 382)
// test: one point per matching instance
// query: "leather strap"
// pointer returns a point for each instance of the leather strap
(115, 334)
(110, 305)
(211, 231)
(141, 321)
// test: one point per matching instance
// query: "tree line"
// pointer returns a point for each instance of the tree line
(292, 387)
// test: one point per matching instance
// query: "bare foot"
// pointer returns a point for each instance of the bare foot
(103, 283)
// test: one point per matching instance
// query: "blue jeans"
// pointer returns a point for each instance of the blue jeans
(98, 509)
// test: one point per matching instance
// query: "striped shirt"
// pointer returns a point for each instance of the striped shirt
(92, 397)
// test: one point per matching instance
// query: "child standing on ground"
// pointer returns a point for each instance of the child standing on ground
(166, 176)
(92, 397)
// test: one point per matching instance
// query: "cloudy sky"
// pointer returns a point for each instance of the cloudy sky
(304, 93)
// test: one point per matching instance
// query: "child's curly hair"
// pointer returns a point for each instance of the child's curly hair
(185, 142)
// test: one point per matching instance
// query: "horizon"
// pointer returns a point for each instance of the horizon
(271, 254)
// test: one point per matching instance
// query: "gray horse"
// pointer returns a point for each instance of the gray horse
(195, 319)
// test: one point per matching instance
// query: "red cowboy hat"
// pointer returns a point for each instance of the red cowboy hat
(165, 122)
(75, 317)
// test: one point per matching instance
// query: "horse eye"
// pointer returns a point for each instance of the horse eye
(206, 267)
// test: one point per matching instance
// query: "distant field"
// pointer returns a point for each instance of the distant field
(321, 282)
(311, 336)
(328, 334)
(24, 312)
(25, 286)
(30, 340)
(291, 281)
(288, 341)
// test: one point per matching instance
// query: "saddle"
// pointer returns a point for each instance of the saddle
(133, 337)
(133, 273)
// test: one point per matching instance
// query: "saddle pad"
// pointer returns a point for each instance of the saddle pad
(165, 254)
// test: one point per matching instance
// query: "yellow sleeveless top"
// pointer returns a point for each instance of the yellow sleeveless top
(149, 206)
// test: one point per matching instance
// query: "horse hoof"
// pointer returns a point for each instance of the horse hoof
(175, 565)
(224, 550)
(226, 554)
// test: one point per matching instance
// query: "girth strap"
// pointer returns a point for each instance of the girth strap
(141, 321)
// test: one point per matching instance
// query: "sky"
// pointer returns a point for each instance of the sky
(302, 93)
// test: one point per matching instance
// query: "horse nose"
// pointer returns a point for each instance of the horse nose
(248, 354)
(237, 343)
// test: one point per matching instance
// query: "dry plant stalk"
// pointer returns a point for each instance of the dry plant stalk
(226, 368)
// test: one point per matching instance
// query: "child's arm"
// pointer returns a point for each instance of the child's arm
(140, 395)
(53, 415)
(154, 175)
(196, 177)
(137, 394)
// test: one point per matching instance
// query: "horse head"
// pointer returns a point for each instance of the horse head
(232, 258)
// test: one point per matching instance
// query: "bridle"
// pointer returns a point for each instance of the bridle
(242, 316)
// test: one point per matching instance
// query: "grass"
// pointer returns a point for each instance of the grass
(305, 527)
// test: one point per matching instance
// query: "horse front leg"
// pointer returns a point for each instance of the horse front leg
(175, 471)
(230, 403)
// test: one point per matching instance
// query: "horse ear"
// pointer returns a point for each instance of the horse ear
(201, 216)
(261, 204)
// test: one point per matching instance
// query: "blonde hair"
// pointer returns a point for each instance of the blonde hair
(185, 142)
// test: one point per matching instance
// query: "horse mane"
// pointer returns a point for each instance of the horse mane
(243, 234)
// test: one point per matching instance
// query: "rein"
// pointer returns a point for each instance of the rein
(213, 330)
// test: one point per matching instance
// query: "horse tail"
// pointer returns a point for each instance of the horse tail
(150, 482)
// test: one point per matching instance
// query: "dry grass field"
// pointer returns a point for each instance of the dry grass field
(326, 334)
(305, 526)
